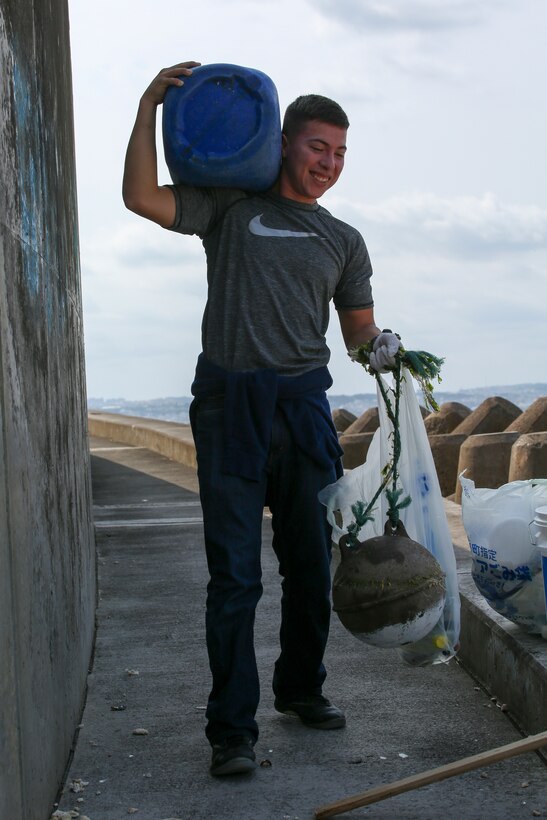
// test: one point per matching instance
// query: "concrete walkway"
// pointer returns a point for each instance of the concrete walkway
(150, 673)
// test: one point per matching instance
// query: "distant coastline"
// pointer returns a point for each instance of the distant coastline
(175, 408)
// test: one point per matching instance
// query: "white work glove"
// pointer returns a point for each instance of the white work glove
(384, 349)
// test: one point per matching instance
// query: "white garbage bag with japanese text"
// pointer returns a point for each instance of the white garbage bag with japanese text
(506, 563)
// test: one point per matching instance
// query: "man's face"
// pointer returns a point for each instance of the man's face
(312, 161)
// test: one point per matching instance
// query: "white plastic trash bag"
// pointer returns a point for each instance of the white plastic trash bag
(424, 519)
(506, 563)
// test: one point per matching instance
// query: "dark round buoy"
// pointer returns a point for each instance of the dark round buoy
(389, 590)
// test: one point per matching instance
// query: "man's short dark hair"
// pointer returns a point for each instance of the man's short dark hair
(313, 107)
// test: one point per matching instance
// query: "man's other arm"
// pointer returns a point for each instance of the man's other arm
(358, 326)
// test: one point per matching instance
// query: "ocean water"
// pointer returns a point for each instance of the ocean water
(175, 408)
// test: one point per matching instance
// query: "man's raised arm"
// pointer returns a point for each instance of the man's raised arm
(141, 192)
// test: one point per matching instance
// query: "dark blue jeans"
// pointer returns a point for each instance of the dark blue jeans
(233, 514)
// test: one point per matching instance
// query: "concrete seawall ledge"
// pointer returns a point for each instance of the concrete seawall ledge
(168, 438)
(511, 665)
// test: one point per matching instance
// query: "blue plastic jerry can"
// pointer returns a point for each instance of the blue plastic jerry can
(222, 128)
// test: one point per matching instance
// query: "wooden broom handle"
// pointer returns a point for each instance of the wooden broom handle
(527, 744)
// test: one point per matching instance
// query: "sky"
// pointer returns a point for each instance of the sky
(445, 176)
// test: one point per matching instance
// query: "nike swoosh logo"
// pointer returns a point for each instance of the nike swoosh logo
(258, 229)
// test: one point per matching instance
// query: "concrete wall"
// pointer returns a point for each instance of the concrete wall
(47, 557)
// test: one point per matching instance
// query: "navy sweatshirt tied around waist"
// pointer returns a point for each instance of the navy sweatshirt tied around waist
(250, 401)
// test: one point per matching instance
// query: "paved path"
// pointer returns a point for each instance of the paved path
(150, 672)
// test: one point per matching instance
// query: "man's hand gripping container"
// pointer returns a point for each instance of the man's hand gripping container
(222, 129)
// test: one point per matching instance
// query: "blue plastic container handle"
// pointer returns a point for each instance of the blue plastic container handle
(222, 128)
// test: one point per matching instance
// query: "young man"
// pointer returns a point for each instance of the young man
(260, 417)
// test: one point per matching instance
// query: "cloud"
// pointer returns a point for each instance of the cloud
(138, 257)
(464, 226)
(144, 292)
(405, 15)
(463, 277)
(425, 66)
(140, 244)
(418, 39)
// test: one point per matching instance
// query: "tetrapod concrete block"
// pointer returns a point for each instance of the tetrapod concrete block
(485, 459)
(355, 447)
(367, 422)
(446, 419)
(533, 419)
(491, 416)
(342, 419)
(529, 457)
(445, 449)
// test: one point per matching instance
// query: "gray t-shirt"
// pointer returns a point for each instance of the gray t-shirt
(273, 266)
